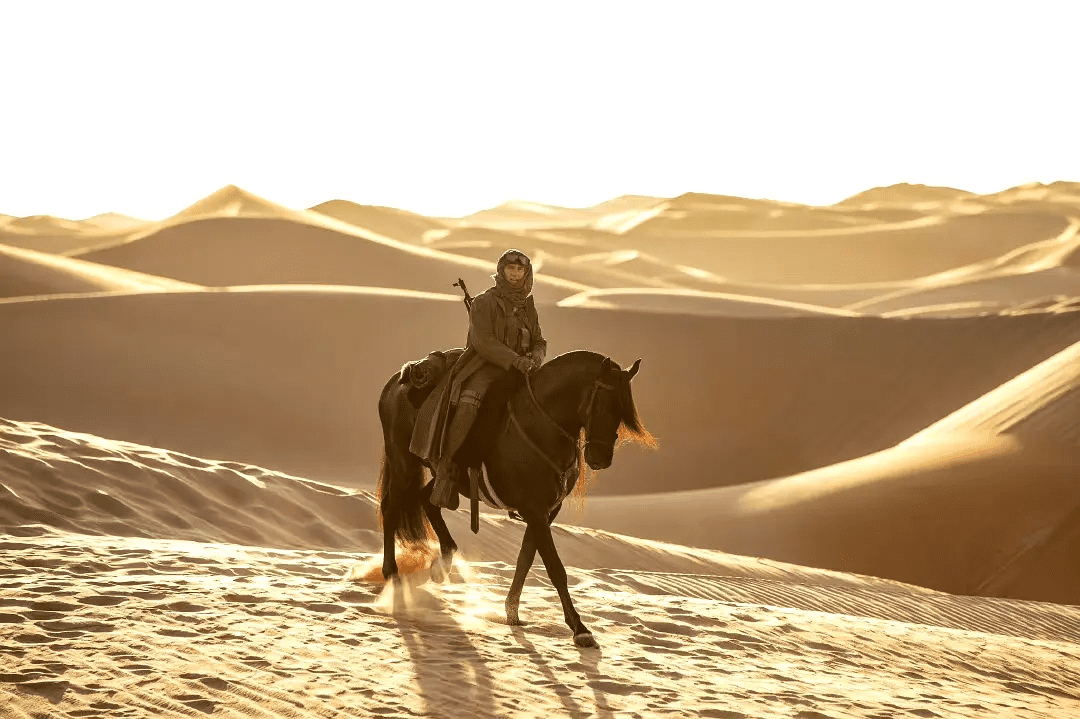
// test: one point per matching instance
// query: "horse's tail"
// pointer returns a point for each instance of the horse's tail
(401, 481)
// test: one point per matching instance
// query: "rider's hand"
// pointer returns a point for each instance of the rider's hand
(523, 365)
(536, 362)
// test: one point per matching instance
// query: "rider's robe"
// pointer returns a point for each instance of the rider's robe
(498, 334)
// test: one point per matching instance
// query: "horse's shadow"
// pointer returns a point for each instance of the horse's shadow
(590, 660)
(452, 677)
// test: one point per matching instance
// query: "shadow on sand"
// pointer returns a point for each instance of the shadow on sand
(453, 679)
(560, 683)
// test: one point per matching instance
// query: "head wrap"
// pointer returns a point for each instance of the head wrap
(518, 295)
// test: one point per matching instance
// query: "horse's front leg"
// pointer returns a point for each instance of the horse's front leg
(440, 567)
(524, 564)
(541, 532)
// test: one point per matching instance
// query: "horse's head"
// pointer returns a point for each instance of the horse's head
(608, 406)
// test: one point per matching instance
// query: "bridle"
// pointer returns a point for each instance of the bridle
(565, 470)
(597, 385)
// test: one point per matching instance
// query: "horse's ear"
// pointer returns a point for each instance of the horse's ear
(606, 366)
(633, 369)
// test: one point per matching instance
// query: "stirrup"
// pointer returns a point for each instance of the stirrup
(444, 493)
(447, 499)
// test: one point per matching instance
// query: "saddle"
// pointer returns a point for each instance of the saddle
(424, 376)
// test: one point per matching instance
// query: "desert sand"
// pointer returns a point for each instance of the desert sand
(864, 502)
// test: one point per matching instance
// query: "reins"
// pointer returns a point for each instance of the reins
(597, 384)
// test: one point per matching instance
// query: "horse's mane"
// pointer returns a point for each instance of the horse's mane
(630, 427)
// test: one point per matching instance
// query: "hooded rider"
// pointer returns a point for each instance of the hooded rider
(504, 335)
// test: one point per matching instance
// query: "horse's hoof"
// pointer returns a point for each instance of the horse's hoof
(440, 569)
(585, 640)
(514, 622)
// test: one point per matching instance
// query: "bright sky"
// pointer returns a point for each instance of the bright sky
(448, 107)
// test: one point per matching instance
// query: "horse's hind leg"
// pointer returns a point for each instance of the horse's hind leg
(440, 568)
(389, 565)
(541, 532)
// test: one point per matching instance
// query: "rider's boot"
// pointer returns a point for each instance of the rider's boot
(444, 493)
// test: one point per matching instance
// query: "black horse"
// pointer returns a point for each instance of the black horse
(534, 437)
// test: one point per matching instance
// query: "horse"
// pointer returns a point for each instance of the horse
(535, 435)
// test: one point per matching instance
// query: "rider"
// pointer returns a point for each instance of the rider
(504, 334)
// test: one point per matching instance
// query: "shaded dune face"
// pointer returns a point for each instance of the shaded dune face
(288, 379)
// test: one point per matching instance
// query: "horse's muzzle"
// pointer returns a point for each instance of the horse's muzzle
(598, 460)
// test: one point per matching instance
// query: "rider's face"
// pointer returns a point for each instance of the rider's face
(515, 274)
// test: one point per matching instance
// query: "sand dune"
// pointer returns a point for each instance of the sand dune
(864, 253)
(114, 221)
(582, 259)
(488, 241)
(234, 238)
(906, 194)
(165, 627)
(521, 215)
(1028, 273)
(287, 378)
(29, 273)
(59, 236)
(696, 212)
(388, 221)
